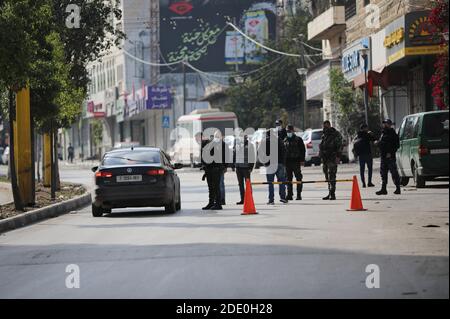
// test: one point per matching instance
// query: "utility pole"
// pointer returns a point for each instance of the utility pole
(184, 89)
(303, 72)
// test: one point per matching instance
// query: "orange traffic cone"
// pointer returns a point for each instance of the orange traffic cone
(356, 204)
(249, 204)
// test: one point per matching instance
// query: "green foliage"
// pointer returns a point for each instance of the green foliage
(38, 49)
(275, 91)
(350, 104)
(97, 132)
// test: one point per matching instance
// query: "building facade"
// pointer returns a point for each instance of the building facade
(398, 41)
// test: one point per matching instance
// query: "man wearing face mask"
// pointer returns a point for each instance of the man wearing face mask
(295, 157)
(282, 133)
(330, 153)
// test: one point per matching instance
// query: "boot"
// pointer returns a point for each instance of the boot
(398, 191)
(208, 207)
(289, 197)
(299, 196)
(383, 190)
(371, 184)
(216, 206)
(332, 195)
(327, 197)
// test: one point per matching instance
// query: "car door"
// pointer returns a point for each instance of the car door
(408, 144)
(172, 172)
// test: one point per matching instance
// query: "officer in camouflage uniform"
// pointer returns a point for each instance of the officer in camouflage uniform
(330, 153)
(295, 157)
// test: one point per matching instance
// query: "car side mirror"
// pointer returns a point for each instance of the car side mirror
(94, 169)
(177, 166)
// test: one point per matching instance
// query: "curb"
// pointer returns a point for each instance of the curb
(40, 214)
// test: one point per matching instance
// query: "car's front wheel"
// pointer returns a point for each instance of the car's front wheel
(97, 211)
(418, 180)
(404, 181)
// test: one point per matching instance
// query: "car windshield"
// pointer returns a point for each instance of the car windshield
(131, 158)
(435, 125)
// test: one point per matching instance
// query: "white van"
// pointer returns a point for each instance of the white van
(186, 150)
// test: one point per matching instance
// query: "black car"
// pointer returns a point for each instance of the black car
(136, 177)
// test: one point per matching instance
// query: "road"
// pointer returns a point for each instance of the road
(308, 249)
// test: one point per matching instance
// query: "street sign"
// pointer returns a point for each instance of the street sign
(166, 122)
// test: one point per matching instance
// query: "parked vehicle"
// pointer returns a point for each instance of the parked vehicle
(424, 147)
(136, 177)
(186, 150)
(312, 139)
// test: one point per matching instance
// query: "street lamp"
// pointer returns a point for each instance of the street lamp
(364, 52)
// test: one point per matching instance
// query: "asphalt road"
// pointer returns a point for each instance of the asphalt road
(308, 249)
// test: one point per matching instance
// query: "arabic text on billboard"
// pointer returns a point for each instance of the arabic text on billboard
(196, 30)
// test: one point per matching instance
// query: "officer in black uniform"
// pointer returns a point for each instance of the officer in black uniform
(295, 157)
(389, 144)
(213, 168)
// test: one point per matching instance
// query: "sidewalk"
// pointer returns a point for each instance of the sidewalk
(5, 193)
(78, 164)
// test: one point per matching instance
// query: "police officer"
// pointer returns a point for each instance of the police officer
(388, 144)
(330, 153)
(295, 157)
(213, 165)
(244, 159)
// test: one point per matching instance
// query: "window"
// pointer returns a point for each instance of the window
(132, 158)
(410, 130)
(435, 125)
(350, 9)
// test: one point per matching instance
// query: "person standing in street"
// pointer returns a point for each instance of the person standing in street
(70, 153)
(244, 154)
(280, 172)
(330, 154)
(363, 150)
(295, 158)
(213, 166)
(389, 144)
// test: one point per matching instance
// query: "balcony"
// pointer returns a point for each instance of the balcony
(328, 24)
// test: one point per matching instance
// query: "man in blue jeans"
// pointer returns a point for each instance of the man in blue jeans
(363, 150)
(281, 168)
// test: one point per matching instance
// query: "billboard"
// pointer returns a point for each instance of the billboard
(196, 30)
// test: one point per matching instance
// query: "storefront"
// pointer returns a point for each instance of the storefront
(410, 46)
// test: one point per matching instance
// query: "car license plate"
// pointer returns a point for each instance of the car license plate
(440, 151)
(129, 178)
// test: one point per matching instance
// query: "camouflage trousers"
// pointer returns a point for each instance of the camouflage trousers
(330, 171)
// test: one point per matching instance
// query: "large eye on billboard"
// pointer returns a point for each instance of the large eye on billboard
(197, 31)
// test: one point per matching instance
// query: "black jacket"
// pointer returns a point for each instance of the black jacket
(362, 145)
(295, 149)
(281, 148)
(389, 142)
(244, 154)
(210, 147)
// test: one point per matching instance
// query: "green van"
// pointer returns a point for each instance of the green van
(424, 149)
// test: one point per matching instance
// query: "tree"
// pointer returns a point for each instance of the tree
(41, 51)
(350, 105)
(439, 81)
